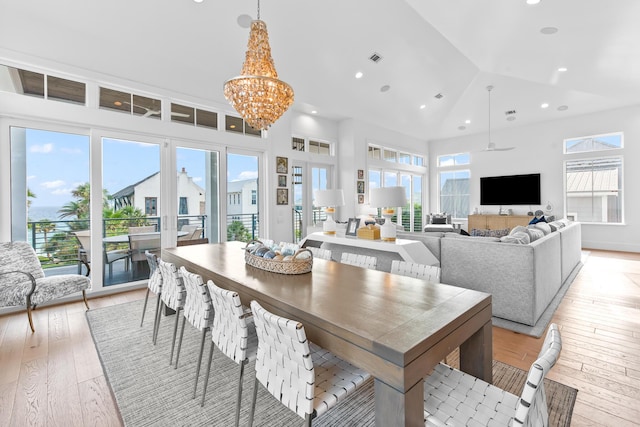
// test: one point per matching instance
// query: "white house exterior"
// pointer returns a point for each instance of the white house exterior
(242, 197)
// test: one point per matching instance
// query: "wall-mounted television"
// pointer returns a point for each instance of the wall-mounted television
(510, 190)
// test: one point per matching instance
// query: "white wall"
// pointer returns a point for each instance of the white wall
(539, 150)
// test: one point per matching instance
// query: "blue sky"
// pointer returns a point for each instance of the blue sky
(58, 162)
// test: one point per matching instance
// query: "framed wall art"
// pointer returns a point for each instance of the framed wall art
(282, 196)
(282, 165)
(360, 187)
(282, 180)
(360, 174)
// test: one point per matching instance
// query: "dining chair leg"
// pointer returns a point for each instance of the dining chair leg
(195, 387)
(253, 402)
(175, 332)
(206, 376)
(144, 308)
(239, 392)
(184, 320)
(158, 317)
(307, 420)
(156, 320)
(84, 298)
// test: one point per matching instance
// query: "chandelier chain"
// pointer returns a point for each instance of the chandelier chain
(258, 9)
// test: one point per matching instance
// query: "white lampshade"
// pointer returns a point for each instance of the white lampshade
(387, 197)
(329, 198)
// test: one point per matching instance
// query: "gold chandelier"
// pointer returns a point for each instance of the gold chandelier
(257, 94)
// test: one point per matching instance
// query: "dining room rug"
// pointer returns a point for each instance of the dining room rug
(149, 392)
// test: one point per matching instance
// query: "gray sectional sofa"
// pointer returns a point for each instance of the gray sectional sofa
(522, 278)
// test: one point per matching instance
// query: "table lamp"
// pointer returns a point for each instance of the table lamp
(329, 199)
(387, 198)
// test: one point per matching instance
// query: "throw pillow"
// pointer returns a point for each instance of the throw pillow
(439, 220)
(520, 238)
(553, 226)
(518, 229)
(544, 227)
(535, 234)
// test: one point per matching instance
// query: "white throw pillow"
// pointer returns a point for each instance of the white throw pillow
(519, 237)
(546, 229)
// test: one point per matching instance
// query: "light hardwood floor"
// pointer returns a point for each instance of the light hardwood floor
(54, 377)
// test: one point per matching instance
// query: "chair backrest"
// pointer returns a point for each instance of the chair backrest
(84, 238)
(19, 256)
(155, 277)
(191, 231)
(142, 229)
(173, 290)
(139, 243)
(283, 363)
(430, 273)
(532, 407)
(230, 329)
(320, 253)
(364, 261)
(197, 305)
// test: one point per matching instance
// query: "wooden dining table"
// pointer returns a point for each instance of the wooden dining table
(395, 327)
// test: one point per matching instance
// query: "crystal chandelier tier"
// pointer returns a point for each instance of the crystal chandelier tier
(257, 94)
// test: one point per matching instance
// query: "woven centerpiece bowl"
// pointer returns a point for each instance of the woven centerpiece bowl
(293, 266)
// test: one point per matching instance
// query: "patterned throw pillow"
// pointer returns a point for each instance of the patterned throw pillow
(489, 233)
(534, 233)
(544, 227)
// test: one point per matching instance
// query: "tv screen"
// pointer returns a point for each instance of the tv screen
(510, 190)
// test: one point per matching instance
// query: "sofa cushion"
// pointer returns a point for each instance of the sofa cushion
(518, 229)
(520, 237)
(546, 229)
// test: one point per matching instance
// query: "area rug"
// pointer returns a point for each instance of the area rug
(149, 392)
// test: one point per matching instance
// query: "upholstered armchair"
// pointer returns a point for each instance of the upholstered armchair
(22, 280)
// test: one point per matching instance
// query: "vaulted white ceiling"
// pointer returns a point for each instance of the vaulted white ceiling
(428, 47)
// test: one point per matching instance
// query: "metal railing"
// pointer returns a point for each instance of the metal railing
(57, 246)
(242, 227)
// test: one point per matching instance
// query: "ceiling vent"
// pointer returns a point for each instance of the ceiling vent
(509, 112)
(375, 57)
(439, 96)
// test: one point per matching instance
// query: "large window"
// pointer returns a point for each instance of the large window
(593, 183)
(454, 184)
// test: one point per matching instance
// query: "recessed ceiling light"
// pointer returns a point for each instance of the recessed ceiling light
(467, 121)
(314, 112)
(385, 88)
(562, 69)
(563, 108)
(117, 103)
(533, 1)
(549, 30)
(232, 126)
(511, 118)
(423, 106)
(198, 1)
(544, 105)
(359, 75)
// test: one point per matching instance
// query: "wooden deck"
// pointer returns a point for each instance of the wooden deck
(54, 377)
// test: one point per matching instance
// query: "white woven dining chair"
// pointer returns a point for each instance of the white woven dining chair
(320, 253)
(198, 312)
(232, 333)
(154, 284)
(304, 377)
(452, 397)
(430, 273)
(363, 261)
(173, 296)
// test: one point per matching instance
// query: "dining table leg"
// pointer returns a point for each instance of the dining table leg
(395, 408)
(476, 354)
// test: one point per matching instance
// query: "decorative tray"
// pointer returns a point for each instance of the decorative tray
(291, 265)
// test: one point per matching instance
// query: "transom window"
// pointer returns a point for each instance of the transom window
(394, 156)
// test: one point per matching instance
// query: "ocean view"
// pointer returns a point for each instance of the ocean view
(38, 213)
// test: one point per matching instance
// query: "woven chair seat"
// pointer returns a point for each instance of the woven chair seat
(452, 397)
(320, 253)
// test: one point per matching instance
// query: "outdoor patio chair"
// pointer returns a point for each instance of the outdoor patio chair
(138, 245)
(22, 280)
(452, 397)
(142, 229)
(109, 257)
(191, 232)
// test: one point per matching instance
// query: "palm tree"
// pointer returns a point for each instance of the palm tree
(45, 226)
